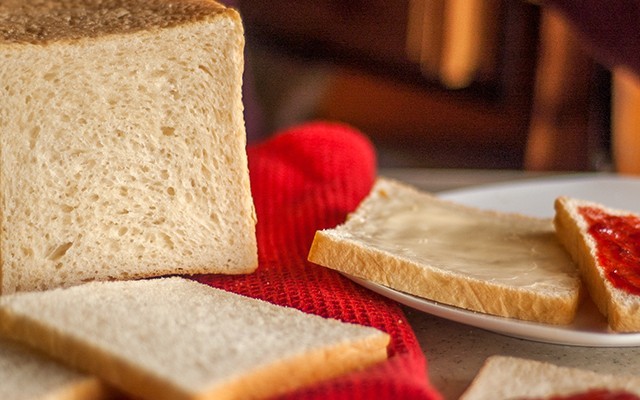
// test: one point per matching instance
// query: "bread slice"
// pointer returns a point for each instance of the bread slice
(122, 148)
(504, 377)
(610, 266)
(27, 375)
(503, 264)
(172, 338)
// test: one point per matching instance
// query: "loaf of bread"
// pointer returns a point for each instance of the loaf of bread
(173, 338)
(123, 147)
(504, 377)
(605, 243)
(503, 264)
(27, 375)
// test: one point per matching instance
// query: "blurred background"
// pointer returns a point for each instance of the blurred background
(433, 83)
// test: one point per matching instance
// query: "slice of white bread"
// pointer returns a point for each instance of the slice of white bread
(28, 375)
(122, 148)
(503, 377)
(620, 304)
(173, 338)
(503, 264)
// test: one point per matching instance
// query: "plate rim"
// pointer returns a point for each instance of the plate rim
(544, 333)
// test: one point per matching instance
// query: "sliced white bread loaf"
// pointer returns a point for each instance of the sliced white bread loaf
(605, 243)
(122, 148)
(504, 377)
(503, 264)
(172, 338)
(28, 375)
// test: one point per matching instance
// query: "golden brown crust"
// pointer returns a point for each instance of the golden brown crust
(42, 21)
(441, 286)
(575, 239)
(298, 372)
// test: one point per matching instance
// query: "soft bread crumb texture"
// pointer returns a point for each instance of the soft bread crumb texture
(124, 157)
(27, 375)
(172, 338)
(40, 21)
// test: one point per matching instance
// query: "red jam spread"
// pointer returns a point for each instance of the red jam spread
(618, 246)
(598, 394)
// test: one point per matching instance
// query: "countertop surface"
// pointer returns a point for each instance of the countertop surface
(454, 351)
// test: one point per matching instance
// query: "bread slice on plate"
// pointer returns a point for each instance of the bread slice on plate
(502, 264)
(173, 338)
(503, 377)
(122, 148)
(28, 375)
(605, 243)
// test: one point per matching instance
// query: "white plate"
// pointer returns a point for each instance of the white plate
(535, 197)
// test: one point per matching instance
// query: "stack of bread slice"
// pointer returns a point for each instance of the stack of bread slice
(174, 338)
(28, 375)
(123, 157)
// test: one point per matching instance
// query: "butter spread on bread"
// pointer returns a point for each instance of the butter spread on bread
(502, 264)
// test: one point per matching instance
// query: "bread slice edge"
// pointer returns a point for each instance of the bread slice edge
(571, 230)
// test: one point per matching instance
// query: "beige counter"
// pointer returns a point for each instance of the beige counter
(455, 351)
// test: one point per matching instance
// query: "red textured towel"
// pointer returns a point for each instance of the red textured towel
(305, 179)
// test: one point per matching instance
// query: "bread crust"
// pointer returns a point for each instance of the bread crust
(439, 285)
(621, 309)
(41, 23)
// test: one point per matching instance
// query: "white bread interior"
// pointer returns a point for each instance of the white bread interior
(172, 338)
(621, 308)
(503, 377)
(28, 375)
(122, 148)
(462, 256)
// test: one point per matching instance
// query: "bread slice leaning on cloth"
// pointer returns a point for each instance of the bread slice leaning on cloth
(503, 377)
(502, 264)
(122, 147)
(28, 375)
(613, 280)
(173, 338)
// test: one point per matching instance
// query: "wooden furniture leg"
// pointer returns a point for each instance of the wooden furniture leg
(558, 134)
(625, 122)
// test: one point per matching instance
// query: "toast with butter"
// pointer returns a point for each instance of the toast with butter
(496, 263)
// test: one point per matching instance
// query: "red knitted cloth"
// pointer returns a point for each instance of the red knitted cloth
(304, 179)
